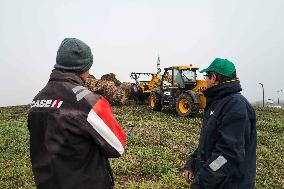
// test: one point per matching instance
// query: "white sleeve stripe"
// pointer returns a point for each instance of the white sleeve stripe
(217, 163)
(82, 94)
(99, 125)
(78, 88)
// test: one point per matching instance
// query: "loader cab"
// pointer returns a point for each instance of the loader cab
(181, 78)
(188, 78)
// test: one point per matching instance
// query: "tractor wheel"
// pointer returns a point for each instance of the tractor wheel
(134, 89)
(154, 102)
(184, 105)
(136, 94)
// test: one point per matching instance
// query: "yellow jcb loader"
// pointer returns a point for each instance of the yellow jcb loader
(179, 89)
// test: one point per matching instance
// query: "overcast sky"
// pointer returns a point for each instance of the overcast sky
(126, 36)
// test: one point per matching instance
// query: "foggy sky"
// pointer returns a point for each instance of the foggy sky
(126, 36)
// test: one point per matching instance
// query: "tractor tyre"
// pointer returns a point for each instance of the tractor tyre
(154, 102)
(185, 105)
(136, 94)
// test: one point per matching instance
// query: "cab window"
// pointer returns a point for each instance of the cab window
(188, 76)
(178, 78)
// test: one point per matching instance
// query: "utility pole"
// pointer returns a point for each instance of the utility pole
(278, 95)
(262, 94)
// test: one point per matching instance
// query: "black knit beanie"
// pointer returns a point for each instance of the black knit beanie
(74, 55)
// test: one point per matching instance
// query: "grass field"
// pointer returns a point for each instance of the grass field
(157, 147)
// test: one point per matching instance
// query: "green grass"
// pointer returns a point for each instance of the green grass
(15, 169)
(158, 145)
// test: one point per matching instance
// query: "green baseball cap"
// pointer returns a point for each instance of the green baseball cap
(221, 66)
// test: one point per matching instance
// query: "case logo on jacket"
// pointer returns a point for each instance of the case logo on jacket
(47, 103)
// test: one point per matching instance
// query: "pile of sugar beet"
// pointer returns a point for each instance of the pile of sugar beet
(116, 92)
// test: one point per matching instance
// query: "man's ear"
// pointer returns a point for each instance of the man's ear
(84, 75)
(214, 78)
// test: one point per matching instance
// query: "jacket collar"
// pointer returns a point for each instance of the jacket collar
(221, 91)
(61, 75)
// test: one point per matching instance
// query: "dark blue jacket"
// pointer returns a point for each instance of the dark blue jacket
(226, 154)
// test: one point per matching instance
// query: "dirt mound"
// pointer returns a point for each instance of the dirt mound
(111, 77)
(108, 86)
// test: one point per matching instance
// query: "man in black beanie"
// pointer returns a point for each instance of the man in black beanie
(72, 130)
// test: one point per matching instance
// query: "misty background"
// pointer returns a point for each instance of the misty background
(127, 36)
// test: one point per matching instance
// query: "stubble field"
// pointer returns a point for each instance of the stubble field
(157, 148)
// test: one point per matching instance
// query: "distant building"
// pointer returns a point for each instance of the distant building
(269, 101)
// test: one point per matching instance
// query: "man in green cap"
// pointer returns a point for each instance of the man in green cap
(226, 154)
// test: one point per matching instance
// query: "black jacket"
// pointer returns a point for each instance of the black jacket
(72, 134)
(226, 155)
